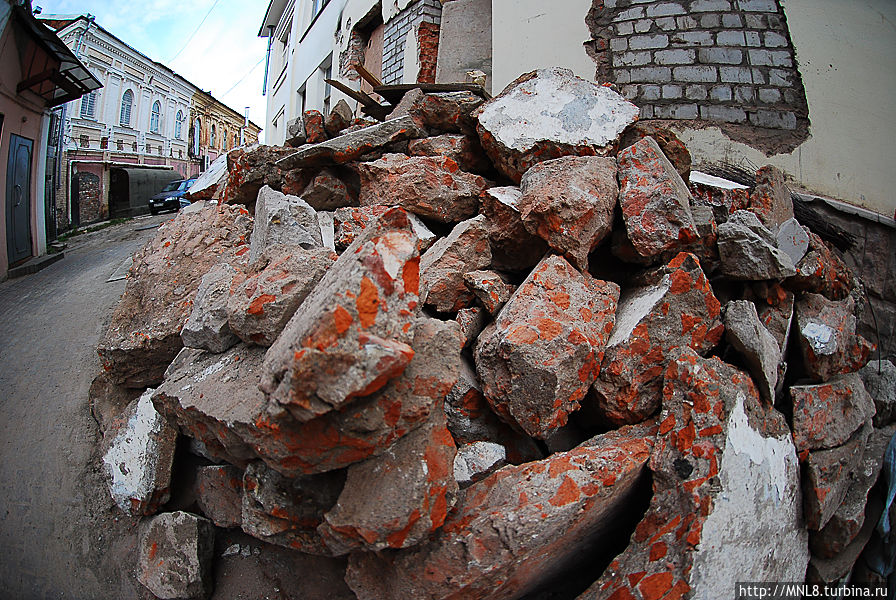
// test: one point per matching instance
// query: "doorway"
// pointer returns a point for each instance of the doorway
(18, 199)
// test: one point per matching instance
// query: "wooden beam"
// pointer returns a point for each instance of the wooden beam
(367, 76)
(370, 106)
(34, 80)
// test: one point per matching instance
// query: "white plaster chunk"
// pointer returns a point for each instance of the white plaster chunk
(476, 459)
(633, 307)
(821, 337)
(393, 248)
(701, 178)
(793, 240)
(423, 233)
(132, 460)
(754, 532)
(508, 196)
(558, 106)
(327, 229)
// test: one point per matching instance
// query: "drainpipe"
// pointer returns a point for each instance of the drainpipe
(267, 59)
(60, 138)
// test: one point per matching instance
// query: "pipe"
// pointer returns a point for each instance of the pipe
(267, 59)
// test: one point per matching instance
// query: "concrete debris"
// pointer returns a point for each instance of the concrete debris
(827, 337)
(548, 114)
(219, 494)
(879, 377)
(282, 219)
(722, 459)
(654, 199)
(351, 146)
(559, 313)
(758, 347)
(443, 267)
(327, 191)
(749, 251)
(399, 366)
(287, 511)
(432, 187)
(275, 285)
(139, 459)
(144, 334)
(675, 307)
(175, 552)
(569, 202)
(477, 460)
(513, 247)
(295, 132)
(534, 515)
(207, 328)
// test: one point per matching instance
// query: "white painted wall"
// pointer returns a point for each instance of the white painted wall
(533, 34)
(846, 53)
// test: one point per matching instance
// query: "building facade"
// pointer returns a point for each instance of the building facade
(37, 73)
(142, 119)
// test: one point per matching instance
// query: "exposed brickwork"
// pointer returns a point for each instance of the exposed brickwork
(727, 61)
(351, 56)
(395, 35)
(428, 51)
(89, 198)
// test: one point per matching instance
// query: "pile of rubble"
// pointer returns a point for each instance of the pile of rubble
(495, 350)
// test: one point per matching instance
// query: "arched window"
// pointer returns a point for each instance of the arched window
(224, 139)
(212, 141)
(178, 124)
(155, 117)
(127, 100)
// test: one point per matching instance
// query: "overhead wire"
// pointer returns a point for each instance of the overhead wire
(198, 27)
(249, 72)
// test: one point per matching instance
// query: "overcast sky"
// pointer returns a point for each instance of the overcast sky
(225, 57)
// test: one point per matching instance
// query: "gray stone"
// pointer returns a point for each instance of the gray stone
(295, 132)
(443, 266)
(749, 251)
(287, 511)
(174, 556)
(327, 191)
(758, 347)
(826, 415)
(339, 117)
(513, 247)
(880, 381)
(274, 287)
(477, 460)
(282, 219)
(351, 146)
(793, 240)
(547, 114)
(827, 477)
(219, 494)
(139, 459)
(207, 328)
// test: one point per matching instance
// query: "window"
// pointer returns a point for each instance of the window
(212, 142)
(85, 141)
(127, 100)
(178, 124)
(149, 148)
(134, 146)
(155, 117)
(224, 139)
(104, 143)
(317, 6)
(88, 105)
(328, 74)
(119, 145)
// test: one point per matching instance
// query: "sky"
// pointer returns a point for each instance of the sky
(225, 57)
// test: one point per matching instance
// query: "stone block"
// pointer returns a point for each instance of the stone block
(827, 478)
(556, 312)
(770, 198)
(207, 328)
(282, 219)
(756, 345)
(327, 191)
(490, 289)
(433, 187)
(828, 414)
(827, 337)
(462, 149)
(570, 203)
(139, 458)
(654, 199)
(721, 459)
(672, 307)
(823, 272)
(219, 494)
(477, 461)
(174, 556)
(448, 112)
(274, 286)
(443, 266)
(314, 126)
(519, 127)
(749, 251)
(879, 377)
(533, 514)
(696, 74)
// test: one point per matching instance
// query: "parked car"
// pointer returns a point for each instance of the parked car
(171, 197)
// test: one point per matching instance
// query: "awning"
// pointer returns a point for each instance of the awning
(49, 69)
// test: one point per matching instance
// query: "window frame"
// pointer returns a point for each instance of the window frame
(129, 96)
(155, 117)
(178, 124)
(88, 105)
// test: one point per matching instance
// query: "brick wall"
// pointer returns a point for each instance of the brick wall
(89, 198)
(728, 61)
(396, 32)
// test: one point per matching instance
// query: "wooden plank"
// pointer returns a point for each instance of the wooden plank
(367, 76)
(394, 93)
(369, 105)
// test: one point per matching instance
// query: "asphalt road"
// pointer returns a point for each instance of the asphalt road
(60, 534)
